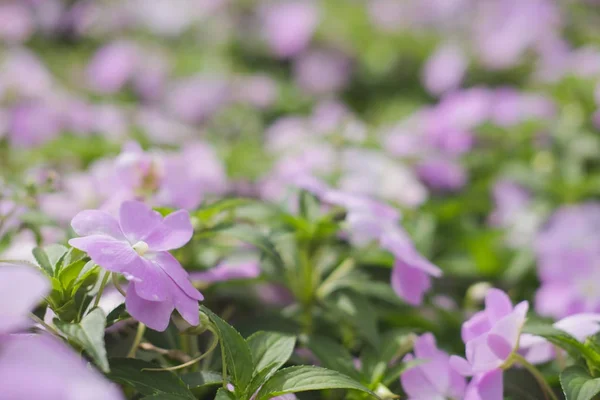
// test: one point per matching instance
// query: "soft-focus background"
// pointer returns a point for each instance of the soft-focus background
(478, 119)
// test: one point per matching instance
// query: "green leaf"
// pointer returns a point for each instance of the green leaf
(303, 378)
(237, 353)
(129, 372)
(310, 207)
(577, 384)
(208, 212)
(375, 362)
(74, 275)
(563, 340)
(89, 335)
(116, 315)
(333, 356)
(393, 373)
(224, 394)
(270, 350)
(49, 257)
(356, 310)
(201, 379)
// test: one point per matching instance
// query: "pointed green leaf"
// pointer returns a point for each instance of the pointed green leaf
(356, 310)
(237, 353)
(201, 379)
(254, 237)
(89, 335)
(270, 350)
(42, 258)
(304, 378)
(49, 257)
(577, 384)
(224, 394)
(131, 372)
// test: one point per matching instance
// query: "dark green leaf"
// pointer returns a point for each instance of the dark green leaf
(577, 384)
(303, 378)
(237, 353)
(356, 310)
(201, 379)
(333, 356)
(130, 372)
(116, 315)
(89, 335)
(224, 394)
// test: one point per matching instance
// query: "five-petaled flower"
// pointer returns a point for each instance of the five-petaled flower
(136, 245)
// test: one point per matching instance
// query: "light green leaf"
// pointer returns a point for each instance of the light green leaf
(577, 384)
(254, 237)
(130, 372)
(333, 356)
(89, 335)
(207, 213)
(563, 340)
(356, 310)
(304, 378)
(49, 257)
(237, 353)
(42, 258)
(270, 350)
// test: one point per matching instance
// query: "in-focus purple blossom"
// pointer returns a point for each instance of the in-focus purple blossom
(136, 244)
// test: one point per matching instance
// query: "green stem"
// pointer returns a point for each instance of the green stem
(224, 363)
(101, 290)
(208, 351)
(138, 339)
(42, 323)
(115, 281)
(537, 375)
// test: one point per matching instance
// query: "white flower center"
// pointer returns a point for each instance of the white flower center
(140, 247)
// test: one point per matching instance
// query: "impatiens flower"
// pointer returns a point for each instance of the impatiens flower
(229, 270)
(486, 386)
(491, 335)
(58, 373)
(434, 379)
(41, 367)
(445, 69)
(538, 350)
(112, 66)
(136, 245)
(21, 288)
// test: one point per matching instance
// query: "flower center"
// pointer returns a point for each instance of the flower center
(140, 247)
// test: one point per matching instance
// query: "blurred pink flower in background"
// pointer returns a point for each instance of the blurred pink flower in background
(445, 69)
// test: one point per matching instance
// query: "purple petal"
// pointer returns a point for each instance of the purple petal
(481, 357)
(461, 366)
(580, 325)
(41, 367)
(154, 314)
(499, 346)
(475, 326)
(410, 283)
(226, 271)
(187, 307)
(137, 220)
(151, 282)
(497, 304)
(169, 265)
(174, 231)
(111, 254)
(458, 385)
(416, 384)
(21, 288)
(491, 386)
(96, 222)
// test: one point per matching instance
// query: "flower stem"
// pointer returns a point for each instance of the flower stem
(212, 346)
(44, 324)
(136, 342)
(115, 281)
(537, 375)
(101, 290)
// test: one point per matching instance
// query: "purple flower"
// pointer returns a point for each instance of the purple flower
(444, 69)
(228, 270)
(32, 124)
(197, 98)
(289, 26)
(137, 245)
(538, 350)
(58, 373)
(442, 174)
(321, 72)
(16, 22)
(21, 288)
(486, 386)
(491, 335)
(567, 252)
(112, 66)
(434, 379)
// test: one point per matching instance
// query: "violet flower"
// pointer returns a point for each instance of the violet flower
(137, 246)
(228, 270)
(16, 22)
(491, 335)
(112, 66)
(434, 379)
(444, 69)
(58, 373)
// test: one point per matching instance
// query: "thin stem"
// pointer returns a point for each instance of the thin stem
(537, 375)
(224, 363)
(101, 290)
(23, 262)
(212, 346)
(42, 323)
(115, 281)
(136, 342)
